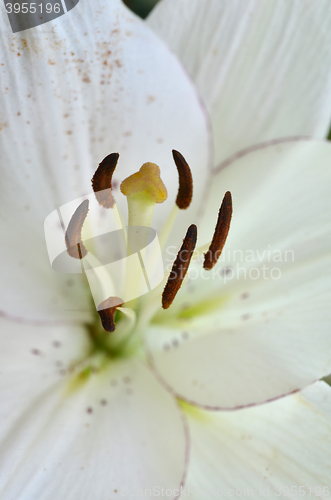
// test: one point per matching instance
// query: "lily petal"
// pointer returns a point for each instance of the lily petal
(280, 198)
(262, 68)
(94, 81)
(34, 360)
(252, 336)
(90, 433)
(277, 450)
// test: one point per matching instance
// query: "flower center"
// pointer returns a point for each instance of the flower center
(129, 301)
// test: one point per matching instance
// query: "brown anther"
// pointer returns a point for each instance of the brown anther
(101, 180)
(180, 267)
(221, 232)
(73, 239)
(106, 311)
(185, 190)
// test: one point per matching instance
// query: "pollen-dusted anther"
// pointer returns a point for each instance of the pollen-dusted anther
(101, 180)
(73, 239)
(220, 234)
(180, 267)
(185, 190)
(106, 311)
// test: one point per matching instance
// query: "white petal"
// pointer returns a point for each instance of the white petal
(280, 198)
(34, 360)
(264, 451)
(84, 437)
(263, 68)
(92, 82)
(256, 333)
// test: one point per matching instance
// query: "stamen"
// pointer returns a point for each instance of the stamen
(101, 180)
(73, 239)
(106, 311)
(180, 267)
(185, 191)
(220, 234)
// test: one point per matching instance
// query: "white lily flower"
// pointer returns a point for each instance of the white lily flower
(79, 422)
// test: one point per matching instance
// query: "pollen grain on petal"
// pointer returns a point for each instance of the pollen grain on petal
(180, 267)
(185, 190)
(106, 311)
(102, 180)
(74, 244)
(220, 234)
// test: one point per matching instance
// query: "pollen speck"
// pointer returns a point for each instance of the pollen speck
(245, 316)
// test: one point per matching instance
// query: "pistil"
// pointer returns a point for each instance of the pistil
(143, 190)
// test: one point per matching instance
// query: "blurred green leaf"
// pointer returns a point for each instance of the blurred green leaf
(141, 7)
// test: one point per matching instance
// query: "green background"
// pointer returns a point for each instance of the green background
(141, 7)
